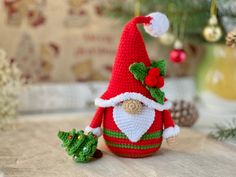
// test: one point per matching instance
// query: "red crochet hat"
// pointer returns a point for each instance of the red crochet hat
(123, 85)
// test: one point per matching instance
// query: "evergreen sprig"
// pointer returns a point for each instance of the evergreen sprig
(224, 132)
(197, 14)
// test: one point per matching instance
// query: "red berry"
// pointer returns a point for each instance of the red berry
(160, 82)
(70, 137)
(177, 55)
(154, 72)
(150, 81)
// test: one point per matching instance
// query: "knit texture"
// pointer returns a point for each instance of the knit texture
(120, 144)
(131, 49)
(133, 125)
(135, 96)
(82, 147)
(132, 106)
(151, 78)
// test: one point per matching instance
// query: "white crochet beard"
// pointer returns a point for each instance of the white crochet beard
(134, 126)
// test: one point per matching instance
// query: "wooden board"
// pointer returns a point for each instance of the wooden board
(31, 149)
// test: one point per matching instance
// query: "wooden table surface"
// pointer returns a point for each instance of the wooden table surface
(30, 148)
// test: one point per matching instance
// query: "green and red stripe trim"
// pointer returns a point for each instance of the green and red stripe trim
(147, 136)
(142, 152)
(119, 143)
(131, 146)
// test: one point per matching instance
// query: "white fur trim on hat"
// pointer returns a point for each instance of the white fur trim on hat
(96, 131)
(132, 95)
(158, 25)
(171, 131)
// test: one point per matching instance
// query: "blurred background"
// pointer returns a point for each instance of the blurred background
(57, 56)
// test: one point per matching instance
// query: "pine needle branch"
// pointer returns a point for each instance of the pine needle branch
(224, 132)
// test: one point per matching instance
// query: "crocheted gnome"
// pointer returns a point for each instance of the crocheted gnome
(133, 109)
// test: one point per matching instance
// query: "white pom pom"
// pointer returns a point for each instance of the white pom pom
(158, 25)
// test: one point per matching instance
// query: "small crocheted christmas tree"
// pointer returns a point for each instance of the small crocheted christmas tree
(79, 145)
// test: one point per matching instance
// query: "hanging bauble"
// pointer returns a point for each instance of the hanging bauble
(231, 38)
(178, 54)
(167, 39)
(212, 32)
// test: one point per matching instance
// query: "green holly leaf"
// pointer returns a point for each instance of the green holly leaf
(157, 94)
(161, 64)
(139, 70)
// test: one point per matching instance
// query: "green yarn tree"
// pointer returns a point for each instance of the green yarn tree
(79, 145)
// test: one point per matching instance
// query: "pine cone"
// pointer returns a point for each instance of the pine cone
(184, 113)
(231, 38)
(132, 106)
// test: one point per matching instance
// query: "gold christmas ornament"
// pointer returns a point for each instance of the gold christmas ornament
(231, 38)
(167, 39)
(212, 32)
(132, 106)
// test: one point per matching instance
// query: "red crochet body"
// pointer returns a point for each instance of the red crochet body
(119, 144)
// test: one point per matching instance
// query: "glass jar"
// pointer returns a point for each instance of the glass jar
(216, 79)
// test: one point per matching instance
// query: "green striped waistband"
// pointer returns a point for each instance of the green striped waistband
(131, 146)
(146, 136)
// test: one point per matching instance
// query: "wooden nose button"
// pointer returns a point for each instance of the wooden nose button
(132, 106)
